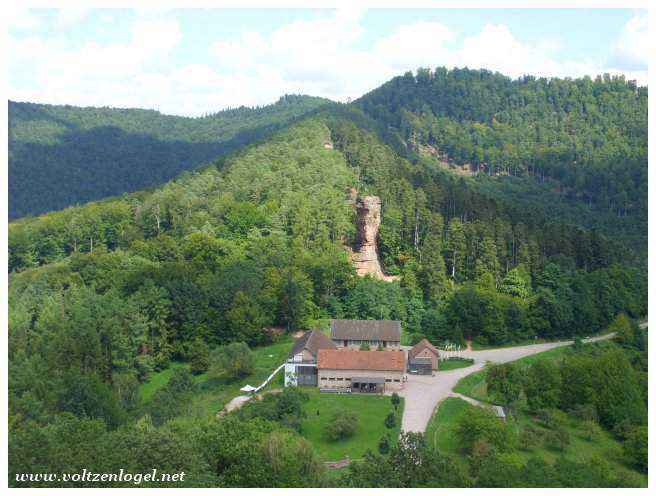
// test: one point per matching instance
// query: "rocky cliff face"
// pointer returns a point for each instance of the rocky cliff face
(365, 252)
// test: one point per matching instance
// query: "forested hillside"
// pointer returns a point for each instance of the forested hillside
(104, 295)
(64, 155)
(590, 136)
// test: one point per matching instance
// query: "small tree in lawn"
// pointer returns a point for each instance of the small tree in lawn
(396, 400)
(234, 360)
(390, 420)
(384, 445)
(636, 446)
(343, 425)
(505, 382)
(199, 357)
(591, 430)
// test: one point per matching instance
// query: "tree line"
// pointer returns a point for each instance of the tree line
(102, 295)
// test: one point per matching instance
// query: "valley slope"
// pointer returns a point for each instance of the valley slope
(64, 155)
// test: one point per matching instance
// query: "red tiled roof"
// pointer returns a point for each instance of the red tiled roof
(420, 346)
(361, 360)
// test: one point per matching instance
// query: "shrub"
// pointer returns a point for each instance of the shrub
(542, 385)
(343, 425)
(591, 430)
(557, 439)
(585, 411)
(384, 445)
(234, 360)
(482, 424)
(530, 438)
(498, 470)
(390, 420)
(285, 407)
(505, 382)
(544, 415)
(199, 357)
(396, 400)
(635, 448)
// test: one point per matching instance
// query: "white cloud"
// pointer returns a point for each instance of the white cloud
(156, 37)
(631, 51)
(414, 45)
(328, 56)
(22, 19)
(69, 16)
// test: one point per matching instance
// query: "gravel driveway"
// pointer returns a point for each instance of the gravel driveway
(423, 393)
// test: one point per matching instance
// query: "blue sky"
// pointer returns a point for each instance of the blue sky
(194, 61)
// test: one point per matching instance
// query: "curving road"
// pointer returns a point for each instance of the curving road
(423, 393)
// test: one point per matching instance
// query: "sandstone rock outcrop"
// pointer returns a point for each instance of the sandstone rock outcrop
(365, 252)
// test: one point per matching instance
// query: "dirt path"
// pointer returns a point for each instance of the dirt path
(423, 393)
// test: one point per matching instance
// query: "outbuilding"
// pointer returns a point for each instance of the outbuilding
(421, 354)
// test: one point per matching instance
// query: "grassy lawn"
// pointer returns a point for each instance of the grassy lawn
(213, 394)
(157, 381)
(454, 363)
(441, 428)
(441, 434)
(474, 386)
(440, 431)
(483, 346)
(371, 411)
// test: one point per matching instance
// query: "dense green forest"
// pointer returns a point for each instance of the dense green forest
(63, 155)
(103, 295)
(588, 135)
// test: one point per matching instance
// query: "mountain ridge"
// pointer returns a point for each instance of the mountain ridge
(64, 155)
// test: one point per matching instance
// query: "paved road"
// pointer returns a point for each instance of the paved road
(423, 393)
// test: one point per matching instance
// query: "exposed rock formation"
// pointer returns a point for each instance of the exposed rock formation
(365, 253)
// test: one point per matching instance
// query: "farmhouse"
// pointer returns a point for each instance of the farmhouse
(423, 358)
(385, 334)
(301, 366)
(360, 371)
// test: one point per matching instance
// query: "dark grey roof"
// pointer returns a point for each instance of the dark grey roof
(369, 380)
(381, 330)
(311, 341)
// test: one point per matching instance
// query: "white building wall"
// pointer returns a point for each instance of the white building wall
(290, 375)
(342, 378)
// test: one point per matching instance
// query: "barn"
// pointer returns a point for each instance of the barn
(423, 358)
(360, 371)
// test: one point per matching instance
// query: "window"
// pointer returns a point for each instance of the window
(397, 380)
(388, 380)
(347, 378)
(323, 378)
(331, 378)
(340, 378)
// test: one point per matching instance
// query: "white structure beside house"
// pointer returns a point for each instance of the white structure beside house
(301, 365)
